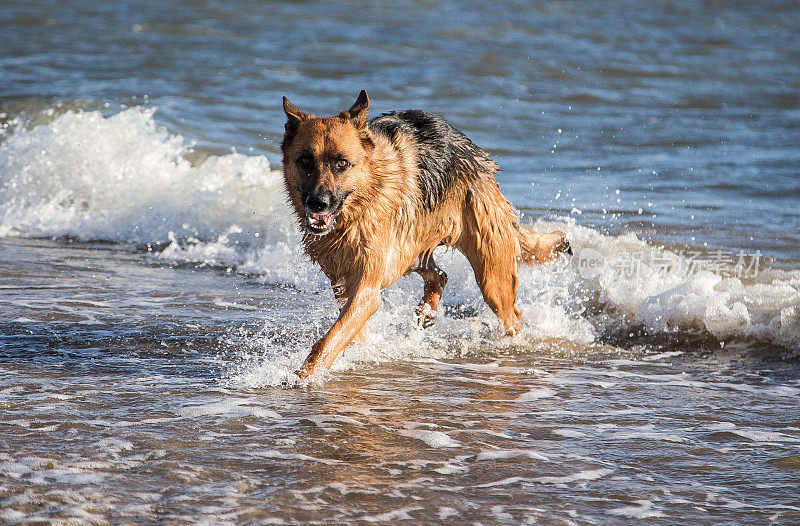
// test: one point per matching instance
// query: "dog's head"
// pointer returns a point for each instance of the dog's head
(325, 162)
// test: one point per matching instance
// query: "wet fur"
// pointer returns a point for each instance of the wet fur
(413, 182)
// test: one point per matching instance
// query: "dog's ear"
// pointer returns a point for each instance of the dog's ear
(293, 116)
(358, 111)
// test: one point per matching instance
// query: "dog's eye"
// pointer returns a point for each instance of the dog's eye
(305, 161)
(341, 164)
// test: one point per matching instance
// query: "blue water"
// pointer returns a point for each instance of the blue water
(690, 110)
(154, 301)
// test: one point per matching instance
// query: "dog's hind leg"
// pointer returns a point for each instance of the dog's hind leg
(489, 242)
(435, 279)
(496, 274)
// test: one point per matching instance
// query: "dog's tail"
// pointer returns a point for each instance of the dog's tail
(541, 248)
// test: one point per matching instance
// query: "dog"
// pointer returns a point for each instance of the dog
(375, 198)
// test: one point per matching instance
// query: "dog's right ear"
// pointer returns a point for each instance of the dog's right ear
(293, 117)
(358, 112)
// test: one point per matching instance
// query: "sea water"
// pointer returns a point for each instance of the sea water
(155, 301)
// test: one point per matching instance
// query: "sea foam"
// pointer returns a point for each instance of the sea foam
(124, 178)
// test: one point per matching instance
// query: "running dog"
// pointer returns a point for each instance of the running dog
(375, 198)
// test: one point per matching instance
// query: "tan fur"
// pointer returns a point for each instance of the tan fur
(383, 233)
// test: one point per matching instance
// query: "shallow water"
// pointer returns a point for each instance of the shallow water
(154, 301)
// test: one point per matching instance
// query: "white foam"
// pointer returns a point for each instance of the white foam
(661, 356)
(229, 408)
(643, 510)
(267, 369)
(123, 178)
(536, 394)
(273, 453)
(764, 436)
(113, 446)
(451, 469)
(502, 454)
(432, 438)
(392, 515)
(591, 474)
(327, 419)
(568, 433)
(504, 482)
(765, 306)
(500, 514)
(11, 516)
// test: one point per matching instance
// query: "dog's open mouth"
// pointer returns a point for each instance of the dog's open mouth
(320, 224)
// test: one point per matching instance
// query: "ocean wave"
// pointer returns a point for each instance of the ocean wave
(123, 178)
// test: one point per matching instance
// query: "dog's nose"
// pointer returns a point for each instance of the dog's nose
(319, 202)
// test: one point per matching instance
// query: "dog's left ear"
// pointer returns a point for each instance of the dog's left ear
(358, 111)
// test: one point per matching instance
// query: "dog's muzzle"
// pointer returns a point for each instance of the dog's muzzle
(322, 209)
(320, 224)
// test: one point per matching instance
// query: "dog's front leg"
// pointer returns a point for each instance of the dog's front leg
(341, 300)
(360, 305)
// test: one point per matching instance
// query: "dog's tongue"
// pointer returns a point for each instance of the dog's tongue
(321, 220)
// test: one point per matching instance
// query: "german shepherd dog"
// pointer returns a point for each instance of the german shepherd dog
(375, 198)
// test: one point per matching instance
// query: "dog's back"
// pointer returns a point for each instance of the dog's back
(445, 156)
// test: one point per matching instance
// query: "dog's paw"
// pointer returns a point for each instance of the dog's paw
(426, 316)
(561, 245)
